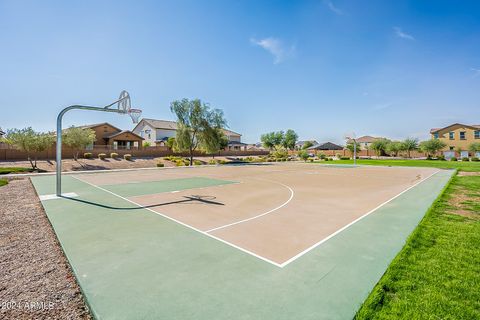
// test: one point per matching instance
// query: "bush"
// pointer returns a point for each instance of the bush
(441, 157)
(270, 160)
(453, 159)
(344, 158)
(87, 155)
(212, 161)
(465, 159)
(180, 163)
(186, 162)
(222, 161)
(113, 155)
(127, 157)
(475, 159)
(197, 162)
(322, 156)
(160, 164)
(102, 156)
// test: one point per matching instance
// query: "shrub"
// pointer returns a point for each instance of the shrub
(160, 164)
(453, 159)
(475, 159)
(344, 158)
(465, 159)
(87, 155)
(102, 156)
(113, 155)
(180, 163)
(197, 162)
(322, 156)
(212, 161)
(127, 157)
(222, 161)
(270, 160)
(441, 157)
(186, 162)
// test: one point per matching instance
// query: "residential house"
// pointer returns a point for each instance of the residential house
(457, 136)
(299, 145)
(326, 146)
(364, 142)
(109, 135)
(2, 133)
(157, 132)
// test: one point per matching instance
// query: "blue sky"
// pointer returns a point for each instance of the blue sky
(322, 68)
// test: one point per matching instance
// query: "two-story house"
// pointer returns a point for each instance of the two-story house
(457, 136)
(157, 132)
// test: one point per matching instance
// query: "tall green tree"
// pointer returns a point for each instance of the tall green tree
(289, 140)
(351, 147)
(78, 138)
(431, 147)
(394, 147)
(409, 145)
(474, 147)
(171, 143)
(196, 122)
(272, 140)
(31, 142)
(307, 145)
(216, 141)
(380, 146)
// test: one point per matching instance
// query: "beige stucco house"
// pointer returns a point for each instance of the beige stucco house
(457, 136)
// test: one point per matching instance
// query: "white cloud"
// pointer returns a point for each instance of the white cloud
(403, 35)
(476, 72)
(332, 7)
(276, 47)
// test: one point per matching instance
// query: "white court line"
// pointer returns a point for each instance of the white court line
(183, 224)
(280, 265)
(352, 223)
(262, 214)
(54, 196)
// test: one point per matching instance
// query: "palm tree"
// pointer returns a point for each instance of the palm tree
(410, 144)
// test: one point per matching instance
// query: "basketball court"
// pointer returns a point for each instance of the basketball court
(266, 241)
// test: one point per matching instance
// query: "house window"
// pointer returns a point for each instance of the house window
(451, 135)
(141, 134)
(476, 134)
(149, 136)
(452, 148)
(462, 135)
(435, 135)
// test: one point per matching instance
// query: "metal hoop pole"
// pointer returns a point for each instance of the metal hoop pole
(59, 140)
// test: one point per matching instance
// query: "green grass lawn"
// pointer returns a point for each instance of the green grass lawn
(437, 273)
(8, 170)
(461, 165)
(3, 182)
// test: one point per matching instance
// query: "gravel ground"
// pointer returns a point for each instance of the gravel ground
(35, 279)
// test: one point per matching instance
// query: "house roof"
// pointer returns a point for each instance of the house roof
(98, 125)
(113, 135)
(2, 132)
(236, 143)
(172, 125)
(365, 139)
(471, 126)
(326, 146)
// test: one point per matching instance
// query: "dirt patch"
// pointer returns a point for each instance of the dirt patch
(459, 204)
(467, 173)
(35, 279)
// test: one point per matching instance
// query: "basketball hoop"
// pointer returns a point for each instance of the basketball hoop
(124, 103)
(135, 114)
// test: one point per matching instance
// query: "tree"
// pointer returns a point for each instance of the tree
(303, 155)
(409, 145)
(394, 147)
(272, 140)
(351, 147)
(307, 145)
(380, 146)
(78, 138)
(146, 144)
(196, 122)
(216, 141)
(31, 142)
(474, 147)
(171, 143)
(289, 139)
(431, 147)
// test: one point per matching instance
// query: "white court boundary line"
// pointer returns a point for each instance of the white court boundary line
(292, 193)
(183, 224)
(280, 265)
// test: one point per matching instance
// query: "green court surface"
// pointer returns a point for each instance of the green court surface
(129, 189)
(134, 264)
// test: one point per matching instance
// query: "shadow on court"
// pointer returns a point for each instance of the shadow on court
(188, 200)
